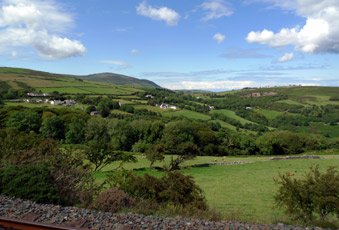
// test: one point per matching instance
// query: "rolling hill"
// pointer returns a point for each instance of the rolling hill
(118, 79)
(105, 83)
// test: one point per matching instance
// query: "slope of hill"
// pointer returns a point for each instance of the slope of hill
(18, 78)
(118, 79)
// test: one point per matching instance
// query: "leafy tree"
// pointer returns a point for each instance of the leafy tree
(280, 143)
(156, 153)
(123, 136)
(76, 131)
(53, 127)
(25, 121)
(99, 149)
(314, 194)
(178, 139)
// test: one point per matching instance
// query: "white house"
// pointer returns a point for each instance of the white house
(149, 96)
(56, 102)
(167, 106)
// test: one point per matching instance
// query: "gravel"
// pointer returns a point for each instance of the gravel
(91, 219)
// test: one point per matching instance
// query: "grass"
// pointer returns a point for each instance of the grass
(232, 114)
(331, 131)
(186, 113)
(240, 192)
(290, 102)
(269, 114)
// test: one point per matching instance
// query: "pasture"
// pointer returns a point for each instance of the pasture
(242, 192)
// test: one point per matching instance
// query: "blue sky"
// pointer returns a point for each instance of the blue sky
(205, 44)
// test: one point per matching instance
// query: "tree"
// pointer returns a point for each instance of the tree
(25, 121)
(315, 194)
(53, 127)
(178, 139)
(76, 132)
(280, 143)
(99, 149)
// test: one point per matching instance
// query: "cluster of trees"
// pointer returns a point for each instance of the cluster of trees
(7, 92)
(106, 140)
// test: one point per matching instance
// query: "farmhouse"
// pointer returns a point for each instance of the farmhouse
(37, 94)
(94, 113)
(149, 96)
(167, 106)
(56, 102)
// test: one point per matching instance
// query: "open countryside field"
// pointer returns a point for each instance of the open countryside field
(47, 83)
(231, 114)
(186, 113)
(240, 192)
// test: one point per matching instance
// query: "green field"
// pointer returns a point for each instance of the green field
(269, 114)
(331, 131)
(186, 113)
(242, 192)
(231, 114)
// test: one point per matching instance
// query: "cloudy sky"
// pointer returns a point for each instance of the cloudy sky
(179, 44)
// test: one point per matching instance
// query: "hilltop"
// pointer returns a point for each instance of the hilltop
(105, 83)
(118, 79)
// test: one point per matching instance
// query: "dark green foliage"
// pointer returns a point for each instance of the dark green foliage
(281, 143)
(76, 131)
(314, 195)
(25, 120)
(99, 148)
(90, 109)
(53, 127)
(127, 108)
(15, 144)
(105, 106)
(252, 116)
(174, 188)
(286, 120)
(32, 182)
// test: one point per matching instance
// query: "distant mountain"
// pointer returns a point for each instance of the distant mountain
(7, 73)
(118, 79)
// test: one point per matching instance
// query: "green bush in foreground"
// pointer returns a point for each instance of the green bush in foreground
(317, 194)
(174, 188)
(32, 182)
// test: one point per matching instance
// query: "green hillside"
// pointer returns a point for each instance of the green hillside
(18, 78)
(118, 79)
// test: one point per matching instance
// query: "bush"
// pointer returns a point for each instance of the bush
(314, 195)
(281, 143)
(32, 182)
(174, 188)
(113, 200)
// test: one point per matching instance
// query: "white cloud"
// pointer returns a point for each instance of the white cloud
(286, 57)
(135, 51)
(211, 85)
(170, 16)
(219, 37)
(215, 9)
(37, 24)
(319, 34)
(120, 64)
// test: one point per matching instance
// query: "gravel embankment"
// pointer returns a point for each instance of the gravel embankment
(90, 219)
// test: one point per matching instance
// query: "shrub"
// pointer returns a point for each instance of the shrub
(174, 188)
(314, 195)
(281, 143)
(113, 200)
(32, 181)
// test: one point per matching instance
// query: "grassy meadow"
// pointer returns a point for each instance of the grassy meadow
(239, 192)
